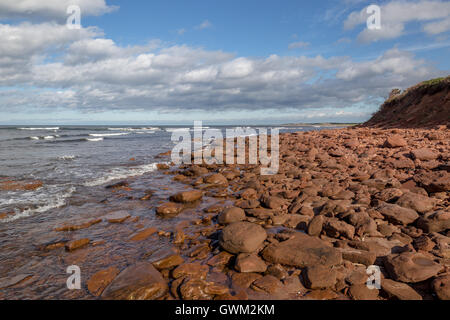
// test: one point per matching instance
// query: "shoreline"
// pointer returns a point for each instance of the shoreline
(260, 246)
(343, 199)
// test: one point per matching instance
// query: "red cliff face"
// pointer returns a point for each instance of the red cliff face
(425, 105)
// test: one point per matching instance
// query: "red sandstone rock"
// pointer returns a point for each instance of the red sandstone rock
(169, 208)
(411, 267)
(395, 141)
(76, 244)
(250, 263)
(100, 280)
(137, 282)
(187, 196)
(230, 215)
(302, 251)
(242, 237)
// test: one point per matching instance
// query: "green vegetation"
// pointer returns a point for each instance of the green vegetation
(432, 82)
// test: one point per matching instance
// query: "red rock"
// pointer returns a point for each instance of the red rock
(247, 204)
(217, 179)
(187, 196)
(402, 163)
(193, 270)
(164, 154)
(423, 154)
(118, 185)
(76, 244)
(278, 271)
(395, 141)
(435, 181)
(100, 280)
(326, 294)
(423, 243)
(250, 263)
(397, 214)
(137, 282)
(248, 194)
(411, 267)
(362, 292)
(10, 185)
(197, 289)
(358, 256)
(268, 284)
(335, 228)
(244, 280)
(273, 202)
(169, 208)
(441, 286)
(168, 262)
(416, 202)
(230, 215)
(398, 290)
(302, 251)
(117, 216)
(315, 226)
(319, 277)
(144, 234)
(260, 213)
(162, 166)
(389, 194)
(243, 237)
(83, 225)
(221, 259)
(436, 221)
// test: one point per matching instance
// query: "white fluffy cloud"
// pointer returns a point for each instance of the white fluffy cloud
(433, 16)
(92, 73)
(55, 67)
(50, 9)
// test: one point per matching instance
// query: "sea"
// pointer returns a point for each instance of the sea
(75, 164)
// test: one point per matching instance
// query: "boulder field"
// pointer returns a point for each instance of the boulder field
(342, 200)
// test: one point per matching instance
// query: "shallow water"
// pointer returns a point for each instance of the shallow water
(75, 164)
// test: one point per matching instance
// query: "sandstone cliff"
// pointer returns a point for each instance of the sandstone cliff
(424, 105)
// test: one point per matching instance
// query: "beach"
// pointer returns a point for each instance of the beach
(343, 200)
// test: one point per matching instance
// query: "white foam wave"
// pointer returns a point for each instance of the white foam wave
(94, 139)
(122, 173)
(177, 129)
(49, 137)
(42, 129)
(108, 134)
(56, 201)
(134, 129)
(68, 157)
(34, 138)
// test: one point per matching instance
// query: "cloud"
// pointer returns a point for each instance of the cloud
(25, 45)
(204, 25)
(57, 68)
(45, 66)
(297, 45)
(433, 16)
(50, 9)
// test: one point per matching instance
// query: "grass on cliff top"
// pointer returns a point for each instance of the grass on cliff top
(423, 84)
(432, 82)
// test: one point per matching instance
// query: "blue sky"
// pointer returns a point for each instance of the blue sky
(218, 61)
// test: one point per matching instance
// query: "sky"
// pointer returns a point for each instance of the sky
(221, 61)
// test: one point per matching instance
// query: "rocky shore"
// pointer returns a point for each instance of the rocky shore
(342, 200)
